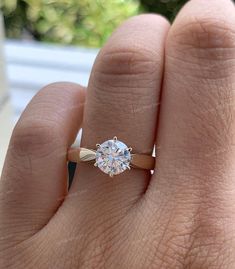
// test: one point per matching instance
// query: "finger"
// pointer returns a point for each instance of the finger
(122, 101)
(195, 164)
(34, 179)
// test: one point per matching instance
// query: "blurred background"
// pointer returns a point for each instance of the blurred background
(43, 41)
(84, 23)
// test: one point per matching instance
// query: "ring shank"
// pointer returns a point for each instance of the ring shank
(79, 155)
(141, 161)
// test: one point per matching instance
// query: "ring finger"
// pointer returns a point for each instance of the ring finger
(123, 100)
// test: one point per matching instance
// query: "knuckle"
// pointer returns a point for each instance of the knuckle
(205, 33)
(34, 136)
(126, 67)
(128, 60)
(126, 78)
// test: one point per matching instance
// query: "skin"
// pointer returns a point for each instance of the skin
(152, 83)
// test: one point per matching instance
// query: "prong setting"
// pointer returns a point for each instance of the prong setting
(113, 157)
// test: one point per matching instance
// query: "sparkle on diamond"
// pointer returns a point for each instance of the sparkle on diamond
(113, 157)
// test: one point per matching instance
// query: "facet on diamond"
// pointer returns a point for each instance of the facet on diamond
(113, 157)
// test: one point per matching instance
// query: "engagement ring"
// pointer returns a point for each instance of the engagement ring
(112, 157)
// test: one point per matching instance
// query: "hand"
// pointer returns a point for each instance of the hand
(181, 217)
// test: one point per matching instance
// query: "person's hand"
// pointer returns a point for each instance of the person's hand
(151, 84)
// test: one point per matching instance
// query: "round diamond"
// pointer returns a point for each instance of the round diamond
(113, 157)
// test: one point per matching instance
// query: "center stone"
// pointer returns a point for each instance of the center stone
(113, 157)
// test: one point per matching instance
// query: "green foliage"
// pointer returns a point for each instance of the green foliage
(82, 22)
(85, 22)
(168, 8)
(14, 15)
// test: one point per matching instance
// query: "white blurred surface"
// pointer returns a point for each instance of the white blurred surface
(30, 66)
(5, 108)
(5, 132)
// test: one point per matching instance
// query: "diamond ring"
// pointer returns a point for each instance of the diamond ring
(112, 157)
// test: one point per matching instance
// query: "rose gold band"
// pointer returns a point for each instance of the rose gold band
(88, 155)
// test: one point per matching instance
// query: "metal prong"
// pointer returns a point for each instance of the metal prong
(115, 138)
(130, 149)
(128, 167)
(95, 164)
(98, 146)
(111, 174)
